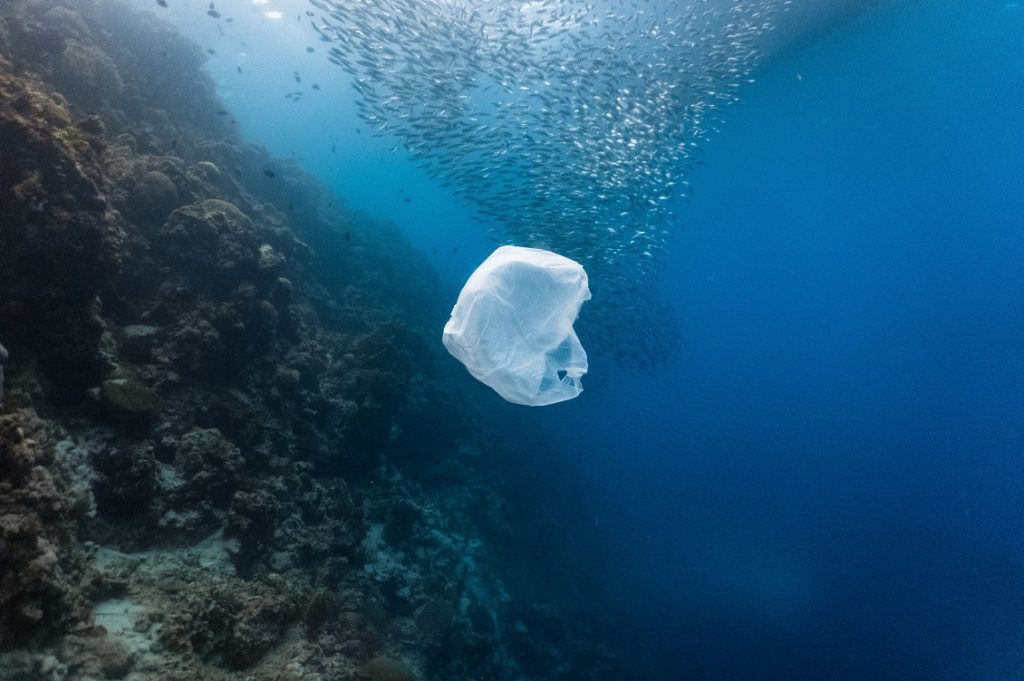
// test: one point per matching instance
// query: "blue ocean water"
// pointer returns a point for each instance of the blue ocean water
(828, 484)
(826, 481)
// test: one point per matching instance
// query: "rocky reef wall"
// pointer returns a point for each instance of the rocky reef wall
(225, 449)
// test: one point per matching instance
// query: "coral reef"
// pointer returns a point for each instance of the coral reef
(45, 582)
(224, 450)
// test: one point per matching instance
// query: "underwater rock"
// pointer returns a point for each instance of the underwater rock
(138, 341)
(252, 519)
(87, 73)
(92, 125)
(435, 618)
(232, 625)
(38, 590)
(196, 347)
(269, 259)
(401, 523)
(282, 291)
(327, 525)
(125, 395)
(153, 197)
(288, 379)
(206, 180)
(211, 465)
(239, 417)
(322, 607)
(213, 240)
(207, 171)
(59, 240)
(92, 654)
(258, 317)
(383, 668)
(127, 480)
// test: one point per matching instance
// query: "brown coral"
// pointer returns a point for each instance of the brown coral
(37, 581)
(59, 242)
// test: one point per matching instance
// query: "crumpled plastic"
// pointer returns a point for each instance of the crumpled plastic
(512, 325)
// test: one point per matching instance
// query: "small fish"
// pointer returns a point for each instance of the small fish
(222, 112)
(162, 3)
(238, 68)
(270, 173)
(214, 13)
(315, 86)
(406, 199)
(310, 50)
(334, 148)
(211, 51)
(348, 236)
(174, 144)
(291, 206)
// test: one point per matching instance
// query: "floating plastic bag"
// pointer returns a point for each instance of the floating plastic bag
(512, 325)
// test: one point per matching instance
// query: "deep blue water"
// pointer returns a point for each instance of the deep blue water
(827, 482)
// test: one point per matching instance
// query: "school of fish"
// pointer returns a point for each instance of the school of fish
(569, 125)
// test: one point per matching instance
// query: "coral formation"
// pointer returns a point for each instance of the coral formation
(41, 589)
(224, 450)
(153, 197)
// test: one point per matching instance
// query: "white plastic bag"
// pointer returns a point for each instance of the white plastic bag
(512, 325)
